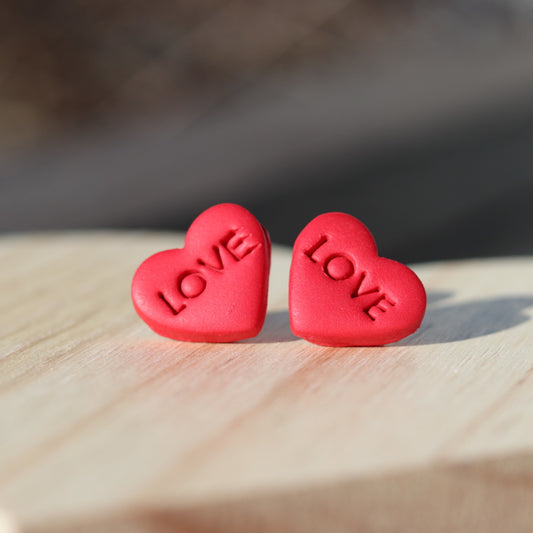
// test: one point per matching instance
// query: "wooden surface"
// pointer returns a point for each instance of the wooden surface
(105, 426)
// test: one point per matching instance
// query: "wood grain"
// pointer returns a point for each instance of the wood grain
(106, 427)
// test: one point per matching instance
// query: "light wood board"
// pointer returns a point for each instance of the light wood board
(104, 426)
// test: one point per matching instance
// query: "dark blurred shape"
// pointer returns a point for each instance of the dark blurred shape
(415, 116)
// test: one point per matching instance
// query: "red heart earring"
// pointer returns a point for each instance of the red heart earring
(215, 288)
(341, 293)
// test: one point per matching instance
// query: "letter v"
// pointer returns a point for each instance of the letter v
(218, 262)
(357, 290)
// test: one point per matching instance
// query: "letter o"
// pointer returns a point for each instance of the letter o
(192, 284)
(338, 267)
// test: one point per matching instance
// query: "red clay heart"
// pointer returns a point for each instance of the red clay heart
(341, 293)
(215, 288)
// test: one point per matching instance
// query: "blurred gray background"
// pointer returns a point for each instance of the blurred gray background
(414, 116)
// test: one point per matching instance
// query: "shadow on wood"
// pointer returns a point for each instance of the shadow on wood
(465, 497)
(462, 321)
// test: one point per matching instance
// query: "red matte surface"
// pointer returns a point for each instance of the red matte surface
(215, 288)
(341, 293)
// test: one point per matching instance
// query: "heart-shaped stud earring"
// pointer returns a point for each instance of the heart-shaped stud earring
(341, 293)
(215, 288)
